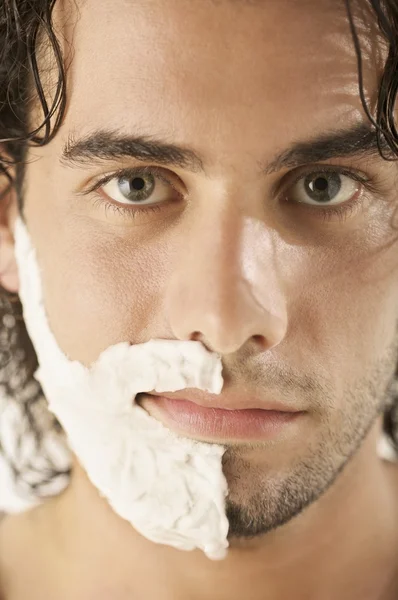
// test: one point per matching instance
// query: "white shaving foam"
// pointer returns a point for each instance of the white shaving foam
(171, 489)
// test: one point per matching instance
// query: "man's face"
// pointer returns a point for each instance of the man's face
(275, 250)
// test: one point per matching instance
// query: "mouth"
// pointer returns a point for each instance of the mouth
(213, 423)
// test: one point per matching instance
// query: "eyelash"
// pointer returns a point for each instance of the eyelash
(342, 211)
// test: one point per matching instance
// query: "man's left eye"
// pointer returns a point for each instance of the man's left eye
(324, 188)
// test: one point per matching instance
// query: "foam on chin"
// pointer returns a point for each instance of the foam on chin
(171, 489)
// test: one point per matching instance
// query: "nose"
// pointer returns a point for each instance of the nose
(225, 289)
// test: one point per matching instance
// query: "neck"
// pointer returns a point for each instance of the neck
(95, 554)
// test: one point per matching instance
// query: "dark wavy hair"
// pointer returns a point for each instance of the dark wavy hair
(27, 25)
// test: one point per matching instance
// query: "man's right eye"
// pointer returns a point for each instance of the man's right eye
(138, 187)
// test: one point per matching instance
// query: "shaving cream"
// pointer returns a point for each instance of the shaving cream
(171, 489)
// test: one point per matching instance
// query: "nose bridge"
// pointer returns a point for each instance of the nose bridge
(223, 289)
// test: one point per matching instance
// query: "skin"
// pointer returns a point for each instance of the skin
(283, 294)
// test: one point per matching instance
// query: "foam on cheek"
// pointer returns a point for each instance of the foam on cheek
(171, 489)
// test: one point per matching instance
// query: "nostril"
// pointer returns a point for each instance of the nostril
(261, 342)
(259, 339)
(195, 336)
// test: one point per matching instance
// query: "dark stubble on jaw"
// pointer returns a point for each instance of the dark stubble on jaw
(261, 501)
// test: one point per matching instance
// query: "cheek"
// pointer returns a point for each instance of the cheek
(102, 288)
(344, 321)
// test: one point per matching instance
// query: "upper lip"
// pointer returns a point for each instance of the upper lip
(228, 401)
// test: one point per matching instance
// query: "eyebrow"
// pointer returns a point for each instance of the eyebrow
(101, 145)
(360, 141)
(110, 145)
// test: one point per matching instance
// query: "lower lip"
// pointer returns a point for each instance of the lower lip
(189, 418)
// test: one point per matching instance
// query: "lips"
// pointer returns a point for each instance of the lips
(213, 423)
(236, 401)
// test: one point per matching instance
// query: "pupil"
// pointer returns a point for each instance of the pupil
(138, 188)
(321, 184)
(323, 187)
(138, 183)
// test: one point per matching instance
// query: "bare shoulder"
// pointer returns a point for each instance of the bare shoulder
(5, 551)
(18, 554)
(9, 538)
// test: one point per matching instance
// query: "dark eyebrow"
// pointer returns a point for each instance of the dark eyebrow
(110, 145)
(359, 141)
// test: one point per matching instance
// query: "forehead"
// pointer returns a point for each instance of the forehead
(222, 69)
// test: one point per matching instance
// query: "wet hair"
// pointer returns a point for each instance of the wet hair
(26, 26)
